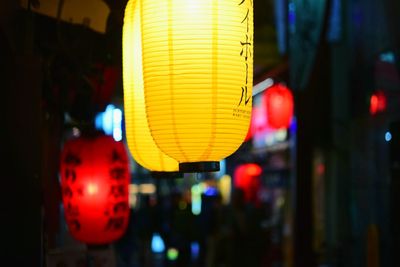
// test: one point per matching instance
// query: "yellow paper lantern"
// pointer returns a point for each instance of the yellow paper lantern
(197, 69)
(140, 142)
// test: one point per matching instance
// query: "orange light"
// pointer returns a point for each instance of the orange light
(92, 189)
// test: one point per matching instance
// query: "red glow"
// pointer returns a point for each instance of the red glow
(247, 178)
(377, 103)
(279, 103)
(321, 169)
(92, 189)
(94, 182)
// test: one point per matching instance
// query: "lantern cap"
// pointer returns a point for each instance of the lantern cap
(166, 175)
(201, 166)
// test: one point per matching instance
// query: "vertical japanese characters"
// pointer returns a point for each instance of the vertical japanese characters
(94, 184)
(246, 52)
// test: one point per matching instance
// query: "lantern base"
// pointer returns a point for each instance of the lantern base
(166, 175)
(202, 166)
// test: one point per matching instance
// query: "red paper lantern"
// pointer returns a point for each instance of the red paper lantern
(377, 103)
(247, 178)
(279, 104)
(94, 182)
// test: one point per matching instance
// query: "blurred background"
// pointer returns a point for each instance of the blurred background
(321, 191)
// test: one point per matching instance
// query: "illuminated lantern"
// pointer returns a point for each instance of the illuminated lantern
(377, 103)
(247, 178)
(195, 62)
(279, 104)
(140, 142)
(94, 182)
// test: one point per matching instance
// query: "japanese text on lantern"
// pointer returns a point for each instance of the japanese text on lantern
(117, 208)
(245, 53)
(71, 161)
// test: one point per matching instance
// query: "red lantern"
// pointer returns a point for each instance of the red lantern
(247, 178)
(279, 103)
(377, 103)
(94, 182)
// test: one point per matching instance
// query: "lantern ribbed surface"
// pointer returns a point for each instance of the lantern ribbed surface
(140, 142)
(197, 69)
(94, 183)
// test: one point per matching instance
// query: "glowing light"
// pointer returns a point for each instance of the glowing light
(210, 191)
(387, 57)
(76, 132)
(157, 244)
(388, 136)
(142, 188)
(92, 189)
(247, 177)
(195, 249)
(133, 189)
(132, 200)
(196, 199)
(253, 170)
(225, 187)
(172, 254)
(108, 120)
(377, 103)
(98, 121)
(147, 188)
(281, 135)
(280, 105)
(117, 121)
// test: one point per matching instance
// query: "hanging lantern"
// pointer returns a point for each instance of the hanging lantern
(247, 178)
(377, 103)
(94, 183)
(279, 104)
(140, 142)
(195, 63)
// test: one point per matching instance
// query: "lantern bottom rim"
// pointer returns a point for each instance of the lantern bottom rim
(201, 166)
